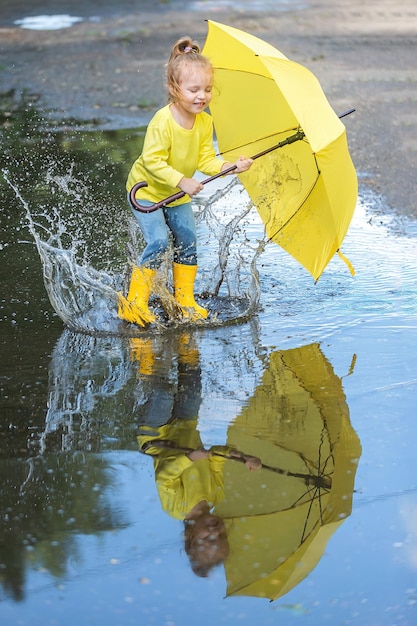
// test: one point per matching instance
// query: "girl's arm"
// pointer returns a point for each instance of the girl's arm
(155, 155)
(191, 186)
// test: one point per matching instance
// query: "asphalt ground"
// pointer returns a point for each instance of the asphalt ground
(110, 67)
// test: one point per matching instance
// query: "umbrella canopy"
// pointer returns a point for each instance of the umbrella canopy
(278, 525)
(305, 192)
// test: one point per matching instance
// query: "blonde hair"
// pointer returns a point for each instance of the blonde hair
(185, 54)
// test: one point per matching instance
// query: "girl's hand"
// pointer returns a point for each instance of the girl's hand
(242, 164)
(252, 463)
(190, 186)
(197, 455)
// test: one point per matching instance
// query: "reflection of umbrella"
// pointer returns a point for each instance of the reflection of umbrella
(279, 526)
(306, 192)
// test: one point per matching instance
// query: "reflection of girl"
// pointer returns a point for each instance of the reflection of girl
(189, 478)
(205, 533)
(190, 485)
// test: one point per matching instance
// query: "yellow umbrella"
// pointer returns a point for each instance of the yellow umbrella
(305, 192)
(279, 525)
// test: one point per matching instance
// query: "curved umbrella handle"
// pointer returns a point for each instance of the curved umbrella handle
(176, 196)
(153, 207)
(297, 136)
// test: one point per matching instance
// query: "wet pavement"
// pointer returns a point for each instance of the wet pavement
(109, 68)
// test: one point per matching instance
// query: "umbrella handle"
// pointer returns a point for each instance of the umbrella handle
(176, 196)
(298, 136)
(320, 482)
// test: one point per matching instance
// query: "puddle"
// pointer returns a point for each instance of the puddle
(47, 22)
(318, 383)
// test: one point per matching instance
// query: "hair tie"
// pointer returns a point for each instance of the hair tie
(188, 49)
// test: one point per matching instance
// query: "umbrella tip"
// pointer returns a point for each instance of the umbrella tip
(348, 112)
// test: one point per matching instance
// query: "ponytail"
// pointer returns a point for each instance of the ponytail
(185, 53)
(185, 45)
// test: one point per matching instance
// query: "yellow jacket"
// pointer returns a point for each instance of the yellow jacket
(182, 483)
(171, 152)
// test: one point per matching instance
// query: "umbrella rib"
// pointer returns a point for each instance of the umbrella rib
(311, 500)
(239, 71)
(303, 535)
(258, 139)
(299, 208)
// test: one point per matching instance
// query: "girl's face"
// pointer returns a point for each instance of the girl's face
(195, 88)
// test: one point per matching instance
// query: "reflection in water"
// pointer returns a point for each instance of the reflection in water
(61, 492)
(86, 374)
(190, 479)
(295, 431)
(45, 503)
(297, 418)
(264, 502)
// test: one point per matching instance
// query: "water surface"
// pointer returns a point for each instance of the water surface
(329, 366)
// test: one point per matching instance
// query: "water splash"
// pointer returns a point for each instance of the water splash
(69, 241)
(84, 298)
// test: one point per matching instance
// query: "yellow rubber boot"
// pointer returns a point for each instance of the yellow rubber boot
(135, 307)
(184, 279)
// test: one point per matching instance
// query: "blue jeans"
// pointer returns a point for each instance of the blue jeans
(156, 226)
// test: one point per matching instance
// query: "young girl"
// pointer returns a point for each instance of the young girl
(178, 142)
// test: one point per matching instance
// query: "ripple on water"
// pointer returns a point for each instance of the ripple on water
(385, 261)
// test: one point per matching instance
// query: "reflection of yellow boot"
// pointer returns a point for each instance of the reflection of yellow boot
(184, 278)
(135, 307)
(188, 352)
(141, 351)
